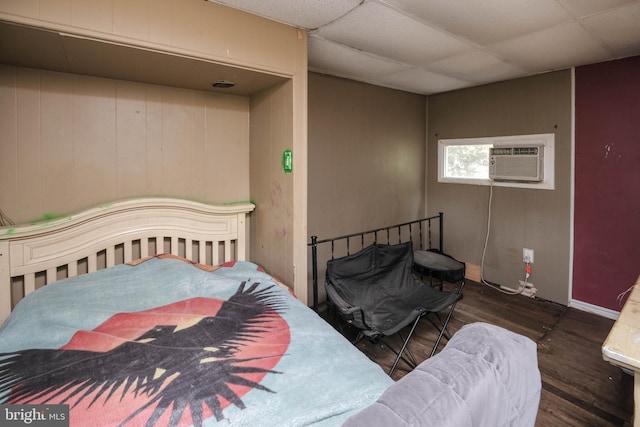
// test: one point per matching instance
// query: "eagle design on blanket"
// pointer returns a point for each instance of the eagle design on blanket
(194, 369)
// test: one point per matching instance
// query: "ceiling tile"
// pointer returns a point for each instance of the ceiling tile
(486, 21)
(619, 29)
(582, 8)
(430, 46)
(331, 58)
(422, 81)
(376, 28)
(477, 66)
(307, 14)
(542, 51)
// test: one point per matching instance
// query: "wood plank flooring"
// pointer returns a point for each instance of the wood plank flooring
(578, 387)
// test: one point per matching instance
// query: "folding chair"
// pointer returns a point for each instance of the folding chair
(375, 291)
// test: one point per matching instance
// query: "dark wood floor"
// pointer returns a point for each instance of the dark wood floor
(578, 387)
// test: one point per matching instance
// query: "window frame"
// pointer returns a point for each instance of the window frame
(547, 140)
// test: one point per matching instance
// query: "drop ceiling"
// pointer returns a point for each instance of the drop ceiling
(433, 46)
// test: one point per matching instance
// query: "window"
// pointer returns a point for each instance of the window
(466, 160)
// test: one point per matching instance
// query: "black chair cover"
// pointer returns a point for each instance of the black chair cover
(375, 291)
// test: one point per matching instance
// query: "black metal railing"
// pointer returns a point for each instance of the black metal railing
(406, 229)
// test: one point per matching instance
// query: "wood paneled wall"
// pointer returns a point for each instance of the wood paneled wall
(520, 218)
(366, 158)
(272, 187)
(70, 142)
(191, 27)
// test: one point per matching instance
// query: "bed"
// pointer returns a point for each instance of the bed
(147, 312)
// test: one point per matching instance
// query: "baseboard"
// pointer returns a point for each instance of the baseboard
(474, 272)
(585, 306)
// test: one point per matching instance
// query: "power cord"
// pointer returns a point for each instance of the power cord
(622, 295)
(496, 286)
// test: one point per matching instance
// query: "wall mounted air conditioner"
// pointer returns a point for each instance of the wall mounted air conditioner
(517, 163)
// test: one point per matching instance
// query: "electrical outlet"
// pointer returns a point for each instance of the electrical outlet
(527, 255)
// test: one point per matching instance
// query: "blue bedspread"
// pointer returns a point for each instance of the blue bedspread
(169, 343)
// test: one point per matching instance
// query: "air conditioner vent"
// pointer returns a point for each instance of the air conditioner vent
(519, 163)
(525, 151)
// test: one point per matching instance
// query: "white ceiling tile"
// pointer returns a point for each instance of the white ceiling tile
(582, 8)
(477, 66)
(430, 46)
(422, 81)
(376, 28)
(486, 21)
(553, 49)
(619, 29)
(307, 14)
(331, 58)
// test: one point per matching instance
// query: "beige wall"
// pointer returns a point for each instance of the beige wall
(193, 29)
(537, 219)
(366, 157)
(272, 188)
(71, 142)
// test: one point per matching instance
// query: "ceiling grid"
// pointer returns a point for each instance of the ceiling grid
(436, 46)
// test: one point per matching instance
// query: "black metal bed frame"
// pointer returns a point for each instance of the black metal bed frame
(420, 223)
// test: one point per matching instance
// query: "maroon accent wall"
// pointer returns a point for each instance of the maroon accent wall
(607, 181)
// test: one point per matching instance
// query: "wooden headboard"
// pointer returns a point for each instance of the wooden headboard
(34, 255)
